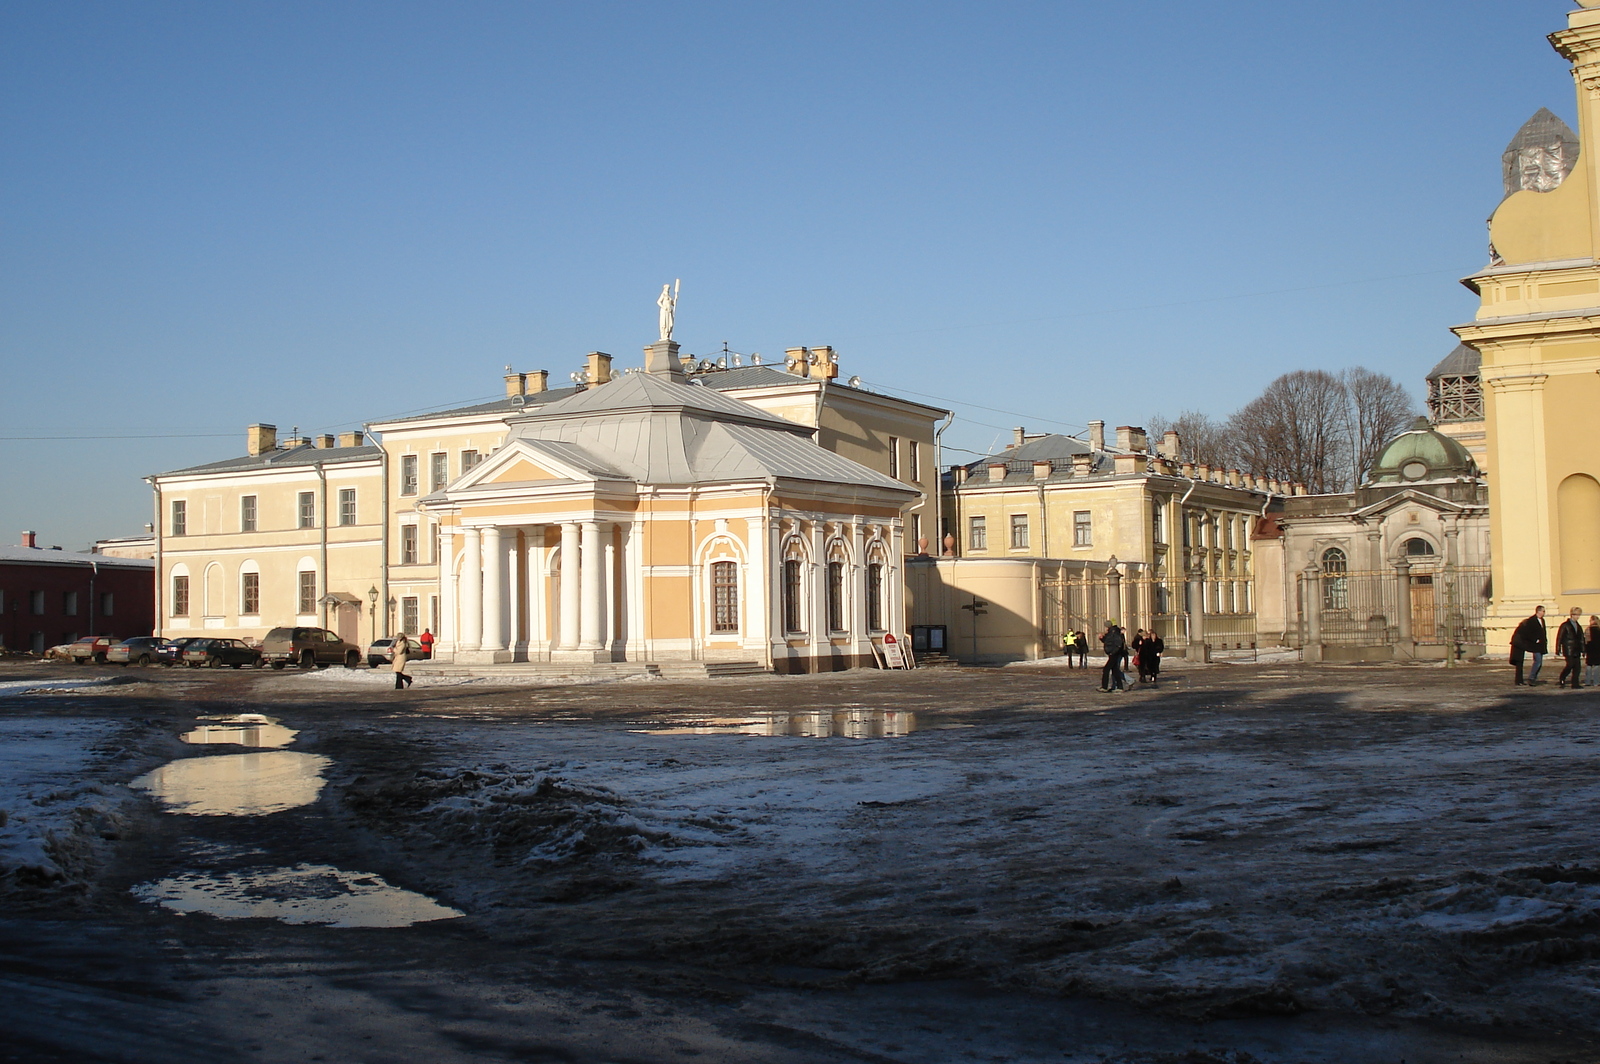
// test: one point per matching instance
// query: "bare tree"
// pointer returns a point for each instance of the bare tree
(1377, 408)
(1201, 439)
(1297, 430)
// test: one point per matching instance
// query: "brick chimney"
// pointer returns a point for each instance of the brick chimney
(795, 361)
(1097, 435)
(326, 441)
(1132, 438)
(535, 382)
(1041, 469)
(516, 384)
(352, 439)
(30, 539)
(997, 472)
(824, 364)
(1019, 436)
(1171, 446)
(598, 367)
(259, 439)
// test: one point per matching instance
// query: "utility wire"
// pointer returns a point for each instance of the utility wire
(152, 436)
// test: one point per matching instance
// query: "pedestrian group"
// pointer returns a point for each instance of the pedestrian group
(1578, 646)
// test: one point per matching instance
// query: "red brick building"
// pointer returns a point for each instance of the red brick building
(51, 596)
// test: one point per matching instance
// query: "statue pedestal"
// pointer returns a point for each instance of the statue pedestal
(661, 360)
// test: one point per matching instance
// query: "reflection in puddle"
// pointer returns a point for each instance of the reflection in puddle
(304, 894)
(818, 724)
(241, 729)
(237, 784)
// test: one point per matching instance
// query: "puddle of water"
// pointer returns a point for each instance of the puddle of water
(303, 894)
(847, 723)
(237, 784)
(241, 729)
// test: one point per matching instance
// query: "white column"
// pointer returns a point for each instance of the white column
(533, 566)
(569, 586)
(633, 590)
(494, 590)
(612, 612)
(471, 589)
(754, 617)
(449, 635)
(591, 617)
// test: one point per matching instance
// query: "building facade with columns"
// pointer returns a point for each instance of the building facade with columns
(1537, 330)
(649, 518)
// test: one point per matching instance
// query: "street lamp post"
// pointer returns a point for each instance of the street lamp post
(372, 611)
(392, 605)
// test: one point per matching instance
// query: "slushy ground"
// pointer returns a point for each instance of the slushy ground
(1258, 862)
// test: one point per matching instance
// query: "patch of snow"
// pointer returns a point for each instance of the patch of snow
(21, 687)
(384, 678)
(46, 796)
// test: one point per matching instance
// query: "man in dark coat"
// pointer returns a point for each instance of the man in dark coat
(1569, 644)
(1116, 648)
(1530, 638)
(1150, 657)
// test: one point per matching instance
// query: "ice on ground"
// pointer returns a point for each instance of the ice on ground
(385, 678)
(302, 894)
(49, 804)
(237, 784)
(22, 687)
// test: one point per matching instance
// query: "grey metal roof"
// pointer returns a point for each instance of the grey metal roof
(1055, 448)
(499, 406)
(647, 391)
(1464, 361)
(45, 556)
(751, 377)
(306, 455)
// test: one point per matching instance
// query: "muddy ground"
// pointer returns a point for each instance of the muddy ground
(1272, 863)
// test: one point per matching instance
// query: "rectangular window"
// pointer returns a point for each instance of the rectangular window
(180, 517)
(836, 596)
(875, 596)
(308, 593)
(107, 601)
(468, 460)
(69, 603)
(408, 474)
(977, 533)
(1158, 524)
(914, 460)
(180, 596)
(347, 506)
(438, 471)
(308, 509)
(36, 603)
(1019, 531)
(247, 513)
(408, 548)
(410, 615)
(791, 596)
(1082, 529)
(916, 531)
(724, 597)
(250, 594)
(894, 457)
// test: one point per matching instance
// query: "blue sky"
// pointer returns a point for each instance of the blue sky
(318, 214)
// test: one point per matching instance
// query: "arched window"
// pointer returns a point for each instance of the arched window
(724, 597)
(1417, 547)
(875, 596)
(791, 595)
(836, 596)
(1335, 582)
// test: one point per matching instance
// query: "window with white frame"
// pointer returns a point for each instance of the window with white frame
(977, 533)
(836, 596)
(438, 470)
(306, 600)
(875, 596)
(247, 513)
(914, 461)
(180, 517)
(347, 506)
(410, 614)
(307, 508)
(1019, 531)
(180, 595)
(469, 458)
(792, 569)
(1082, 528)
(250, 594)
(724, 597)
(894, 457)
(408, 547)
(408, 474)
(1158, 524)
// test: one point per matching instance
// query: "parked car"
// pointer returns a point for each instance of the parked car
(215, 653)
(91, 648)
(381, 653)
(171, 651)
(139, 650)
(307, 647)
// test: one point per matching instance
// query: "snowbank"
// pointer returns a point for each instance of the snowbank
(385, 678)
(50, 812)
(38, 686)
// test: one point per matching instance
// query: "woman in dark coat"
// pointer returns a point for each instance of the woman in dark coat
(1591, 672)
(1150, 657)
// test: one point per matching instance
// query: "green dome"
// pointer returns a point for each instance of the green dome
(1421, 453)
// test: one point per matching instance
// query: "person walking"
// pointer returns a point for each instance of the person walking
(1116, 648)
(1569, 644)
(1081, 642)
(1067, 647)
(1150, 658)
(1530, 638)
(1591, 673)
(425, 641)
(402, 652)
(1138, 658)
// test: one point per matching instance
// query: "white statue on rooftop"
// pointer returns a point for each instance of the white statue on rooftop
(668, 302)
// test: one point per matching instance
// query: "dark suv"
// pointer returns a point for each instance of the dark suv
(307, 647)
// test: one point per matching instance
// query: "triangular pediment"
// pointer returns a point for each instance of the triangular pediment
(1412, 497)
(523, 461)
(521, 470)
